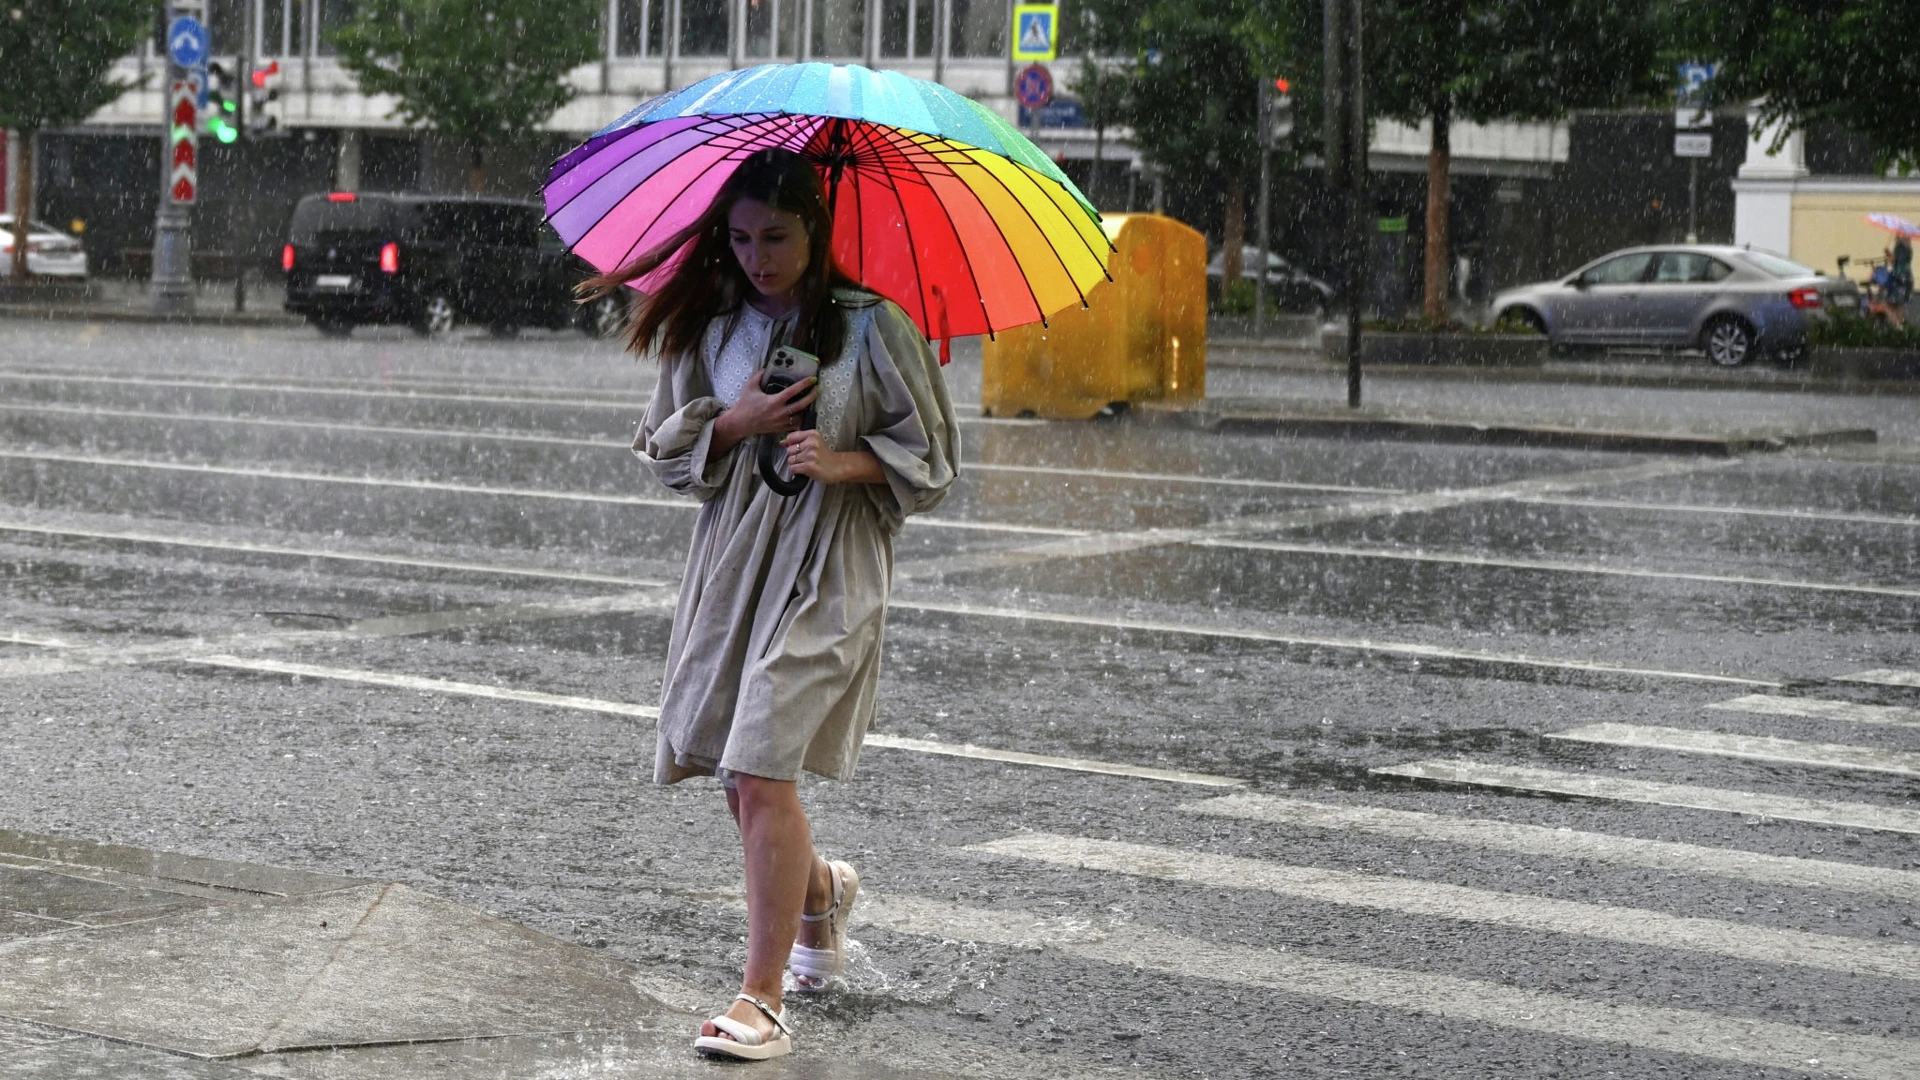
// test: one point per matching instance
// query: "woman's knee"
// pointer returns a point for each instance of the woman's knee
(757, 793)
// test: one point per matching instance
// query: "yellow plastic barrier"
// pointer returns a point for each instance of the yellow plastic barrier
(1141, 337)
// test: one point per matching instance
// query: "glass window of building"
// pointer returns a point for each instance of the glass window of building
(897, 18)
(641, 27)
(839, 29)
(334, 14)
(773, 27)
(980, 28)
(703, 27)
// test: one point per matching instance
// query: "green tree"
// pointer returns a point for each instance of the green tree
(56, 59)
(1190, 95)
(1485, 60)
(479, 72)
(1806, 61)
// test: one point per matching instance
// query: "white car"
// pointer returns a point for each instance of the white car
(49, 251)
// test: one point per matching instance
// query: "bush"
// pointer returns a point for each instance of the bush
(1846, 330)
(1238, 299)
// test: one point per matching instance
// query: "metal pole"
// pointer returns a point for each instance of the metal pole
(1266, 220)
(1693, 200)
(1345, 130)
(171, 286)
(244, 75)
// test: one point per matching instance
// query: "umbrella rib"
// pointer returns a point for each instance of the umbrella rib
(873, 138)
(1027, 175)
(588, 231)
(1051, 248)
(972, 275)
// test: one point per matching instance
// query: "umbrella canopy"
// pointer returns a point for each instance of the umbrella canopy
(1894, 223)
(939, 204)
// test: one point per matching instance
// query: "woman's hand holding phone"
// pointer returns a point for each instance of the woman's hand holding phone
(760, 413)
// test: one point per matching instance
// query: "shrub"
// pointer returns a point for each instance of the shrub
(1846, 330)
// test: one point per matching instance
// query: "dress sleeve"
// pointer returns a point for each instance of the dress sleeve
(676, 438)
(910, 423)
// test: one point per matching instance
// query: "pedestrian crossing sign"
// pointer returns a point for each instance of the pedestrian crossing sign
(1036, 32)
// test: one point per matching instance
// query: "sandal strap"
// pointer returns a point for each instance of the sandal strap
(839, 894)
(778, 1021)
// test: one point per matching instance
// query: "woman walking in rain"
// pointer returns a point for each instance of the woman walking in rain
(774, 660)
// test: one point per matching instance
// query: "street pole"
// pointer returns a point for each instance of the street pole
(243, 72)
(1345, 129)
(1693, 200)
(1266, 231)
(172, 284)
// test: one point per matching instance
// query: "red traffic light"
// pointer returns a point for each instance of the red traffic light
(1283, 86)
(261, 75)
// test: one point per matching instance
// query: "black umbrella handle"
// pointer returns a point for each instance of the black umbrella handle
(770, 470)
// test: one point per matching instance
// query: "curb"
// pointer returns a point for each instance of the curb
(1546, 436)
(209, 318)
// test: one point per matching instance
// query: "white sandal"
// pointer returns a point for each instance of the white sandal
(814, 968)
(747, 1043)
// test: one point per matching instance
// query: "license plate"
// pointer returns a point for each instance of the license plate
(333, 281)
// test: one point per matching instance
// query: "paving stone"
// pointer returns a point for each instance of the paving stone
(165, 866)
(96, 1059)
(56, 896)
(372, 964)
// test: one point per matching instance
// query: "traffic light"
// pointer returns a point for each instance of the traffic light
(219, 114)
(1276, 111)
(263, 100)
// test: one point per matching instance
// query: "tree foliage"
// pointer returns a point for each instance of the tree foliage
(56, 57)
(1849, 61)
(480, 72)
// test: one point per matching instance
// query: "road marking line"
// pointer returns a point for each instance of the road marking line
(435, 686)
(618, 445)
(1513, 911)
(1822, 709)
(467, 489)
(1350, 510)
(1747, 747)
(1883, 677)
(1392, 648)
(1017, 757)
(390, 382)
(404, 394)
(621, 708)
(1551, 565)
(1564, 843)
(1761, 1043)
(337, 556)
(1748, 511)
(38, 641)
(1784, 807)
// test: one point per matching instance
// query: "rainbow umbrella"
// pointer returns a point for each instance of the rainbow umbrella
(1894, 223)
(939, 204)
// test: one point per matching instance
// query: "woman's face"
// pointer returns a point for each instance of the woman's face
(770, 244)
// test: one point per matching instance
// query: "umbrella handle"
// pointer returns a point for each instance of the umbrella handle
(770, 471)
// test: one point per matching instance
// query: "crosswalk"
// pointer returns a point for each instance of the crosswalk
(1299, 968)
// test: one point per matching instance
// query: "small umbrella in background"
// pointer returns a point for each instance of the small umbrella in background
(939, 204)
(1894, 223)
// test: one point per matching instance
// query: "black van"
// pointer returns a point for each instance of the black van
(430, 261)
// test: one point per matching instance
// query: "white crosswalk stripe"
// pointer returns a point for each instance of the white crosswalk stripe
(1884, 677)
(1785, 807)
(1750, 747)
(1564, 843)
(1146, 949)
(1630, 926)
(1821, 709)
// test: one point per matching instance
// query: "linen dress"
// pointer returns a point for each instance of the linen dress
(774, 661)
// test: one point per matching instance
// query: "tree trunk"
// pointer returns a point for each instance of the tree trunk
(22, 181)
(1235, 233)
(1439, 163)
(1099, 161)
(477, 172)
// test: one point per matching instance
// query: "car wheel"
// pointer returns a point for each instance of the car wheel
(1520, 321)
(1728, 342)
(605, 317)
(435, 318)
(333, 328)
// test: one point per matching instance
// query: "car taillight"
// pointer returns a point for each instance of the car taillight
(390, 258)
(342, 196)
(286, 258)
(1805, 298)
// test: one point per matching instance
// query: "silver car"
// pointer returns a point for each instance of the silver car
(1733, 303)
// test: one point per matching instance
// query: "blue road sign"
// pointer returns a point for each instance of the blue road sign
(1033, 87)
(1694, 75)
(187, 42)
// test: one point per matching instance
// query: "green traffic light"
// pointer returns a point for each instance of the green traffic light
(223, 131)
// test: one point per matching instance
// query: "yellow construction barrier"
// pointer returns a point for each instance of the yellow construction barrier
(1141, 337)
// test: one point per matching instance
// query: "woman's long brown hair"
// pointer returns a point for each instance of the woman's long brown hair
(709, 281)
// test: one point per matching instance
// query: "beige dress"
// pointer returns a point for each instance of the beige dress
(774, 661)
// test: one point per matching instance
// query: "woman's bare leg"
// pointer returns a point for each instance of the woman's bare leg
(782, 870)
(819, 886)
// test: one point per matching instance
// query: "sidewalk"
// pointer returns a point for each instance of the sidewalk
(123, 300)
(123, 962)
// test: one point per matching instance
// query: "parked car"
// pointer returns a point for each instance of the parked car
(1289, 287)
(50, 251)
(1733, 303)
(430, 262)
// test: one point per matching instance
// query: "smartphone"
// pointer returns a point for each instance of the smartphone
(787, 366)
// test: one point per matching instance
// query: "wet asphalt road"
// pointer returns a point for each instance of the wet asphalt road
(1284, 612)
